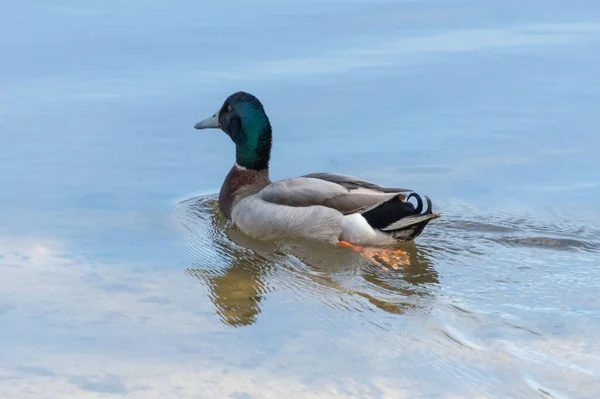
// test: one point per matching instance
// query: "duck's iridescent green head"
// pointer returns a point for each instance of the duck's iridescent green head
(243, 118)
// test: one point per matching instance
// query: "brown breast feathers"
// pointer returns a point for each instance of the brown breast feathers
(241, 182)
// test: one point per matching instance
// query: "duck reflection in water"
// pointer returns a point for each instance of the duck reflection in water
(242, 273)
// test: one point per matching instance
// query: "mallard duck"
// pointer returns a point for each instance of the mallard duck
(335, 208)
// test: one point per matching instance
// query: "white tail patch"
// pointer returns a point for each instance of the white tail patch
(356, 230)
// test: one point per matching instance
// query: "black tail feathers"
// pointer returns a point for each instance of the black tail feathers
(400, 218)
(394, 210)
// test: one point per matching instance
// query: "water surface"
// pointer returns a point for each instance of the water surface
(119, 277)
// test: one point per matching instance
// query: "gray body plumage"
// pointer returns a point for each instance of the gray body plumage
(324, 207)
(266, 220)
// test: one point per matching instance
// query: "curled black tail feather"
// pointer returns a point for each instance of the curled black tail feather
(394, 210)
(419, 202)
(429, 206)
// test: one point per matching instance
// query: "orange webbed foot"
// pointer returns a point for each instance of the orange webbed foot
(393, 258)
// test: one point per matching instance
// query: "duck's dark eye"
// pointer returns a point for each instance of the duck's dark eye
(229, 108)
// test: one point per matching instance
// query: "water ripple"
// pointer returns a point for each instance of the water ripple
(454, 303)
(240, 270)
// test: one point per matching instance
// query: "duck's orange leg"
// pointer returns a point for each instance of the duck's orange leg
(393, 258)
(346, 244)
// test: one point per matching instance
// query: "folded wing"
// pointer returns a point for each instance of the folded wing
(346, 194)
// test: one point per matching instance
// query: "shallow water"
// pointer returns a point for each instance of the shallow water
(119, 278)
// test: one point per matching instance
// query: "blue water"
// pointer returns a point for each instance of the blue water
(118, 277)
